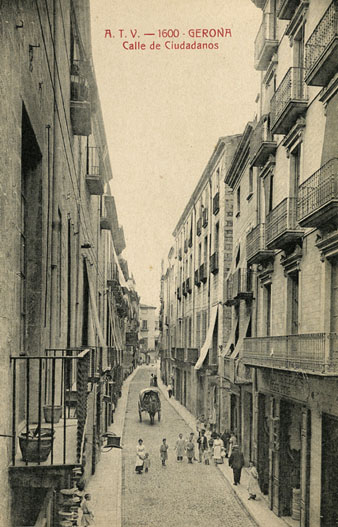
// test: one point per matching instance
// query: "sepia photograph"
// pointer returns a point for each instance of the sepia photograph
(169, 263)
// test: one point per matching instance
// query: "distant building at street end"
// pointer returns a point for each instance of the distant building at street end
(148, 333)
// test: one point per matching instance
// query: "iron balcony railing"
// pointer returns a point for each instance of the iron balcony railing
(191, 355)
(261, 142)
(265, 41)
(255, 241)
(281, 219)
(179, 355)
(315, 353)
(317, 191)
(45, 389)
(79, 87)
(215, 203)
(291, 89)
(321, 39)
(94, 165)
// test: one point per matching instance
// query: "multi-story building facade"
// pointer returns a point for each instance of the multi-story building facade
(195, 324)
(66, 304)
(292, 249)
(148, 332)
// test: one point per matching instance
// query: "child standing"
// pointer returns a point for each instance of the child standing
(87, 513)
(164, 452)
(253, 487)
(190, 448)
(146, 462)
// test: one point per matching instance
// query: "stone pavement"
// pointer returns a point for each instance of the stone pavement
(179, 494)
(258, 510)
(105, 485)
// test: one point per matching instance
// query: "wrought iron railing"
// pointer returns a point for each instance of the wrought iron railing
(281, 219)
(94, 166)
(292, 88)
(318, 189)
(79, 87)
(311, 353)
(179, 354)
(322, 36)
(260, 134)
(266, 32)
(46, 389)
(255, 241)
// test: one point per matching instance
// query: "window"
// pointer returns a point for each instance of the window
(268, 309)
(250, 183)
(144, 324)
(238, 201)
(205, 248)
(216, 239)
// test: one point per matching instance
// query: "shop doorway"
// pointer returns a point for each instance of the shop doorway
(263, 443)
(329, 506)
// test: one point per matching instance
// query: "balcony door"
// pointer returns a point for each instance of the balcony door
(334, 297)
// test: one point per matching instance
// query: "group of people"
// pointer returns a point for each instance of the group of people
(209, 446)
(153, 380)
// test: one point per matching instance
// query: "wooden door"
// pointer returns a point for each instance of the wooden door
(274, 458)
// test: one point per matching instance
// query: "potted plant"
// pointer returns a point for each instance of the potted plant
(50, 411)
(35, 447)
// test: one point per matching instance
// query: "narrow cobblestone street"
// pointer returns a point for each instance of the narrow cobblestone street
(179, 495)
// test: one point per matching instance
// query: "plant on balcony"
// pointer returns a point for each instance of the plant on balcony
(36, 445)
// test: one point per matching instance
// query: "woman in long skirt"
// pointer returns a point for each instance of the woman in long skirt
(218, 446)
(140, 455)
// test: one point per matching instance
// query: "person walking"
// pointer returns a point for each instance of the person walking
(170, 390)
(236, 462)
(152, 379)
(225, 438)
(87, 513)
(164, 452)
(232, 442)
(190, 448)
(253, 486)
(180, 447)
(217, 452)
(140, 454)
(146, 462)
(155, 380)
(202, 445)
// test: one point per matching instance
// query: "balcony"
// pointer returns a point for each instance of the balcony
(256, 249)
(239, 287)
(321, 50)
(214, 263)
(286, 8)
(203, 273)
(188, 287)
(289, 101)
(313, 353)
(205, 217)
(179, 294)
(49, 394)
(318, 197)
(191, 355)
(199, 227)
(80, 109)
(215, 204)
(266, 43)
(262, 144)
(184, 291)
(259, 3)
(179, 354)
(281, 226)
(94, 176)
(197, 278)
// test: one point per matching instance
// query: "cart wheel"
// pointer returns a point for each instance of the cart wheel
(159, 415)
(140, 416)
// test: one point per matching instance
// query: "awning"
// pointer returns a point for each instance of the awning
(92, 296)
(115, 334)
(208, 341)
(233, 353)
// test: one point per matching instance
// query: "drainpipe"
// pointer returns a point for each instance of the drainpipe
(56, 173)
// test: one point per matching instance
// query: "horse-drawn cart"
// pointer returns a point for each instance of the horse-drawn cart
(149, 401)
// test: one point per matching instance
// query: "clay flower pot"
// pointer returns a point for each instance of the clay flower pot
(29, 445)
(49, 410)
